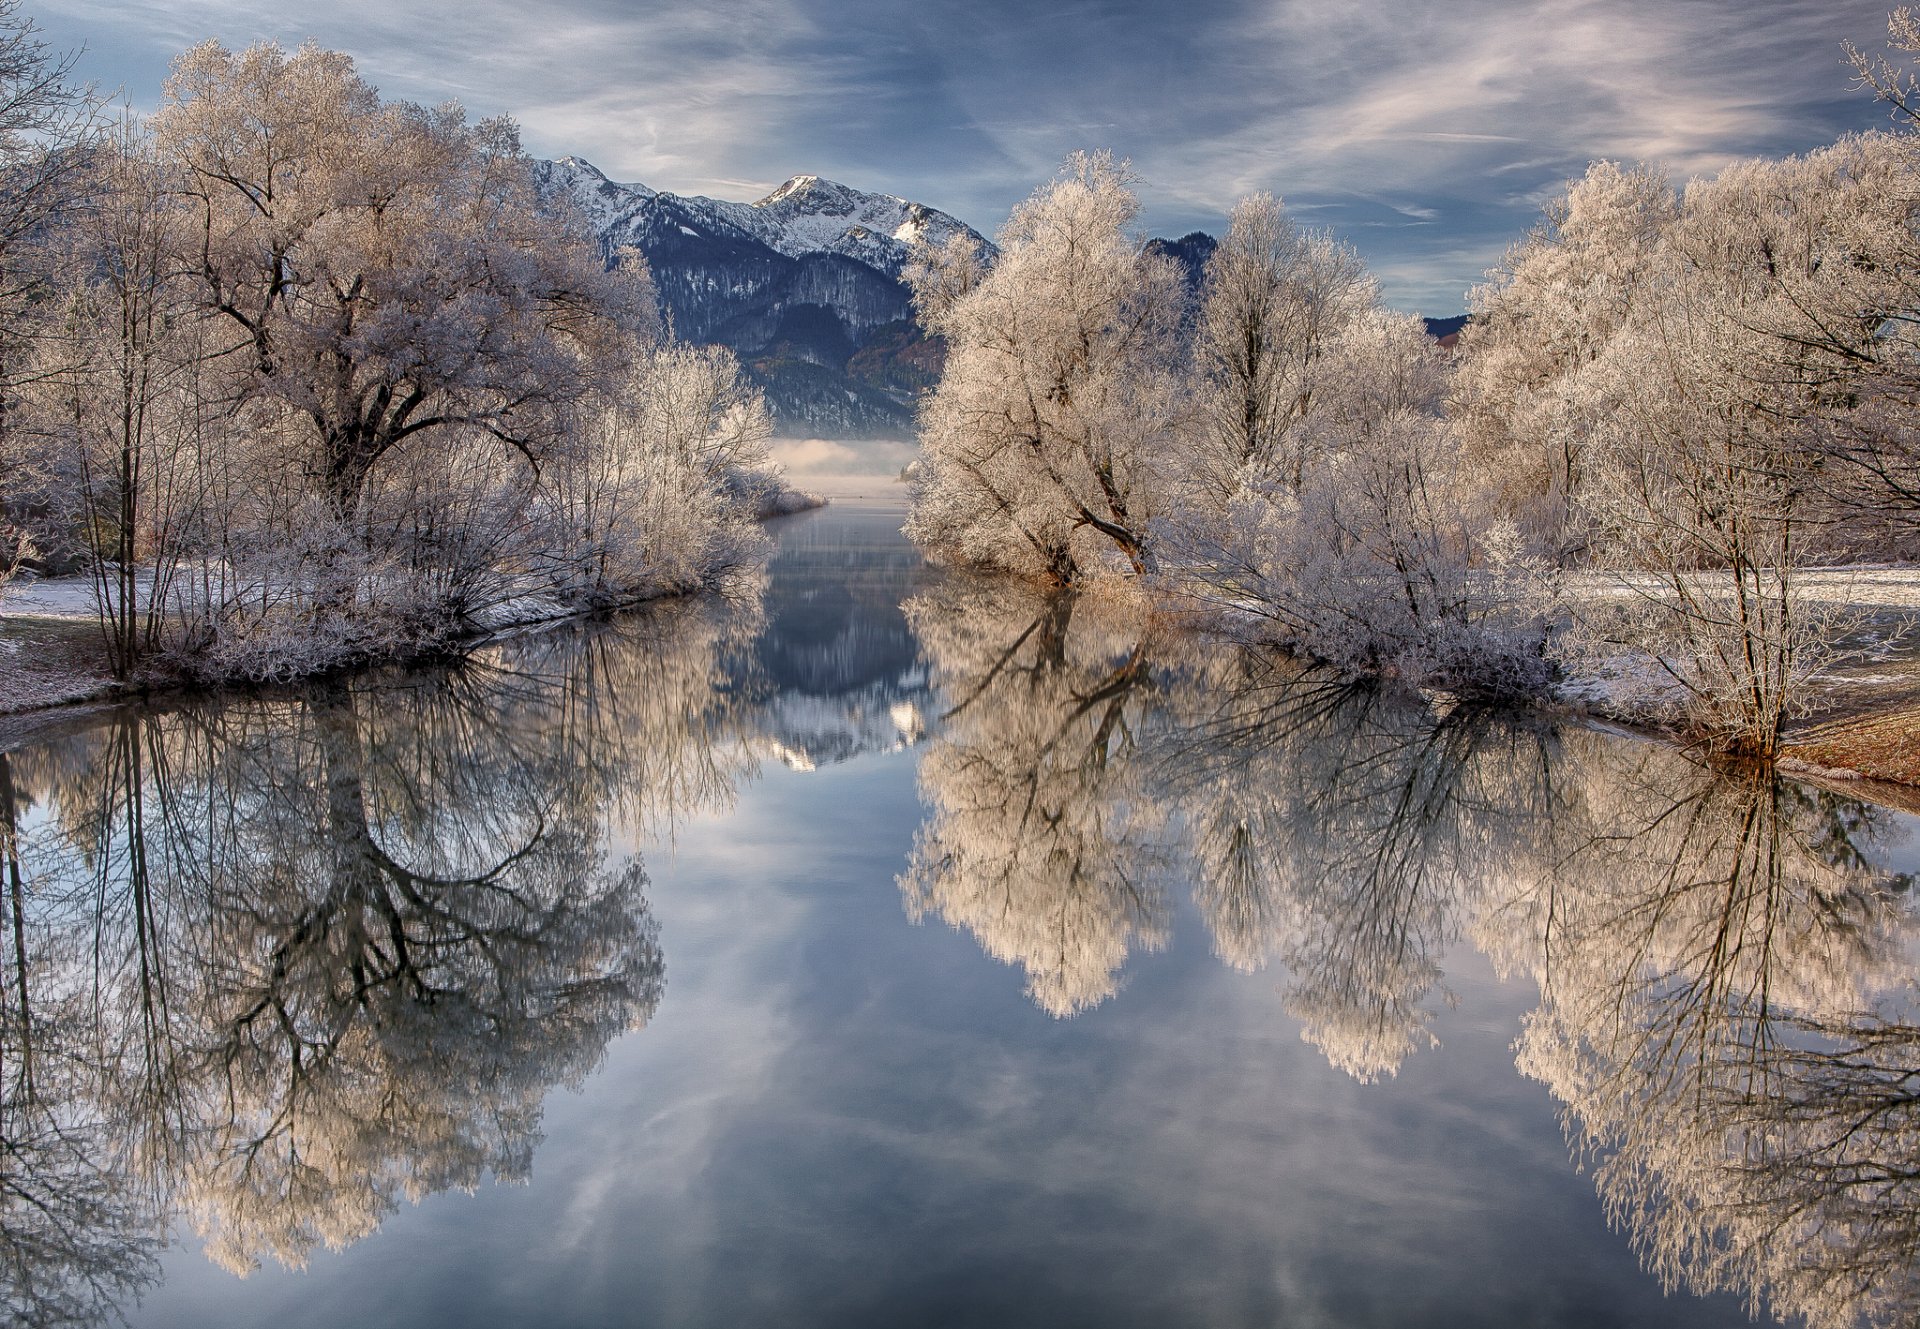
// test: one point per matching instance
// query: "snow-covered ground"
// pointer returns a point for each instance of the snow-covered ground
(51, 661)
(1868, 586)
(56, 597)
(51, 651)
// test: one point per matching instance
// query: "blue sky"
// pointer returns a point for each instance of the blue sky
(1428, 134)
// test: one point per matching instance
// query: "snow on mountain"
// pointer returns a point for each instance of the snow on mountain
(811, 215)
(605, 203)
(804, 285)
(806, 215)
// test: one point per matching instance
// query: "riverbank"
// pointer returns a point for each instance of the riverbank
(53, 653)
(1880, 747)
(50, 661)
(1864, 736)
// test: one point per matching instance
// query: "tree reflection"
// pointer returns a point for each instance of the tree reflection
(278, 962)
(1086, 764)
(1042, 839)
(1344, 834)
(1726, 1003)
(1724, 1013)
(77, 1233)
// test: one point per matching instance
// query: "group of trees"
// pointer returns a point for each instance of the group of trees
(1665, 406)
(301, 375)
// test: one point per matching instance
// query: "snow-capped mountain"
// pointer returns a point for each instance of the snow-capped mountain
(803, 285)
(806, 215)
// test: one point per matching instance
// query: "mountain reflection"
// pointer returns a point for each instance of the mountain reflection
(841, 669)
(274, 963)
(1725, 974)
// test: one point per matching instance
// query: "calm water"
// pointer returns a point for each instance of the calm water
(885, 949)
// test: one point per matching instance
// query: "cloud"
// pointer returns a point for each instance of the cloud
(1463, 115)
(812, 454)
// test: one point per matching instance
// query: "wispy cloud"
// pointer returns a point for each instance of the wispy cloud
(1462, 115)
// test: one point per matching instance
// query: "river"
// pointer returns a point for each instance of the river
(881, 947)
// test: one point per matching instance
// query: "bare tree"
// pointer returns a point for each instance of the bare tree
(115, 392)
(46, 127)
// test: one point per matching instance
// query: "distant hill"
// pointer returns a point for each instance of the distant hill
(1192, 250)
(1196, 247)
(804, 285)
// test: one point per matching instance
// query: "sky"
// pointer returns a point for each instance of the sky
(1428, 133)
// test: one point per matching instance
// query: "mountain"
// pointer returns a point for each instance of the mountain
(1191, 251)
(804, 285)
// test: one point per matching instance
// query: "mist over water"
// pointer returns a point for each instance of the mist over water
(884, 947)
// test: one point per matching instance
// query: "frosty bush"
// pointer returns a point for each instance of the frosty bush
(1382, 565)
(1363, 541)
(663, 484)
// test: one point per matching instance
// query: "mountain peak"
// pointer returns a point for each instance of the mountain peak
(803, 285)
(580, 166)
(813, 193)
(809, 214)
(799, 186)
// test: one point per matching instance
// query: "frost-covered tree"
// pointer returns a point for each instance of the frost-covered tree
(384, 271)
(1694, 397)
(116, 398)
(1542, 317)
(1049, 447)
(1275, 301)
(1828, 246)
(323, 378)
(1386, 554)
(1704, 421)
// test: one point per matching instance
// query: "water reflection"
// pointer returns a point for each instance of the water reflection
(270, 965)
(276, 963)
(1042, 839)
(1727, 1014)
(840, 669)
(1724, 971)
